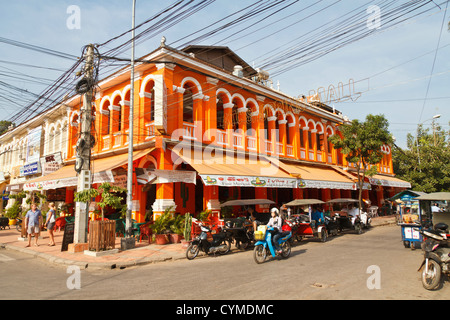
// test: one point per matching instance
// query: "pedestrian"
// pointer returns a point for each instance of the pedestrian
(33, 220)
(50, 223)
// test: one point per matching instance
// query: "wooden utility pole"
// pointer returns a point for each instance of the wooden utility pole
(83, 158)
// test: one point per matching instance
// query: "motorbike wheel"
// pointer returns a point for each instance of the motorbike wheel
(432, 279)
(259, 254)
(358, 228)
(286, 250)
(19, 227)
(228, 243)
(192, 251)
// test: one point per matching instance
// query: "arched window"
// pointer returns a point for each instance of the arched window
(126, 111)
(188, 105)
(220, 113)
(149, 101)
(267, 133)
(235, 115)
(105, 118)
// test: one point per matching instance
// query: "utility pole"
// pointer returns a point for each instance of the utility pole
(83, 148)
(128, 225)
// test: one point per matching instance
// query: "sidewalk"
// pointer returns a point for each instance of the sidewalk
(144, 253)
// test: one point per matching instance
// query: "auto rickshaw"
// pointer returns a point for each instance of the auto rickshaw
(241, 229)
(346, 221)
(304, 226)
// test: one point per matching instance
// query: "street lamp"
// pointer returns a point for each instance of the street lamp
(437, 116)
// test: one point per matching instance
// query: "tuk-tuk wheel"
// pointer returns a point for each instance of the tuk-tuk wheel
(323, 235)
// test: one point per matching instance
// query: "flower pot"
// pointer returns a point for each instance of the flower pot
(161, 239)
(175, 238)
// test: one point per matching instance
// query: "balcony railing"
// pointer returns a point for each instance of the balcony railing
(251, 143)
(189, 131)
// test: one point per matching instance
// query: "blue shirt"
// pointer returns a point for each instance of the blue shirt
(33, 217)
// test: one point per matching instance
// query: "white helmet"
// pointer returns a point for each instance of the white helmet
(274, 210)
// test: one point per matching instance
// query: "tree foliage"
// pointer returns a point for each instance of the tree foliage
(361, 144)
(426, 160)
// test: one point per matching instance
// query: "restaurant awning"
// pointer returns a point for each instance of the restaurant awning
(67, 177)
(226, 169)
(388, 181)
(318, 177)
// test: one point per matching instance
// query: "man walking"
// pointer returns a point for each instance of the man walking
(33, 222)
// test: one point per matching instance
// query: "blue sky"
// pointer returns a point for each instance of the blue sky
(390, 84)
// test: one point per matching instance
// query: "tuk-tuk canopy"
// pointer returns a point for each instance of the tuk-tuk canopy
(343, 200)
(303, 202)
(436, 196)
(246, 202)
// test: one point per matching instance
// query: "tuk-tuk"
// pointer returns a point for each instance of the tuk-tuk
(346, 221)
(241, 229)
(433, 214)
(410, 217)
(305, 226)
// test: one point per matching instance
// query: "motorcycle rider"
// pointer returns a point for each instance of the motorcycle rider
(276, 222)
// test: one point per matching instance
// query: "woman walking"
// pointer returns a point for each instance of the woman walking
(50, 222)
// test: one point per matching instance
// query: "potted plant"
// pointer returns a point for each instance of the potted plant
(13, 212)
(161, 227)
(187, 230)
(176, 226)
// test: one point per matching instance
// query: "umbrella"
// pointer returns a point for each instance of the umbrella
(303, 202)
(246, 202)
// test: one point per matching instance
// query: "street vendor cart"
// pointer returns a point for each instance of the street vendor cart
(410, 217)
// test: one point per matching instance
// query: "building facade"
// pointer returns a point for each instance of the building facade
(207, 128)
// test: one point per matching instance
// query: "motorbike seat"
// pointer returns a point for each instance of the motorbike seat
(443, 227)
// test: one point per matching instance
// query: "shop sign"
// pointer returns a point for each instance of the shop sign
(99, 177)
(51, 163)
(34, 145)
(248, 181)
(145, 176)
(30, 168)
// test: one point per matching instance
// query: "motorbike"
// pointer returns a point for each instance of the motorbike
(19, 225)
(241, 236)
(221, 243)
(349, 222)
(436, 257)
(264, 245)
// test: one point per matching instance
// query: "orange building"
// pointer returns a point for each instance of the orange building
(208, 128)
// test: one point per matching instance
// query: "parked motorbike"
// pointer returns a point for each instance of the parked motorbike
(19, 224)
(241, 236)
(221, 243)
(436, 257)
(264, 245)
(365, 219)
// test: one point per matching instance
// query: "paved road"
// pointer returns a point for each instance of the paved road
(337, 269)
